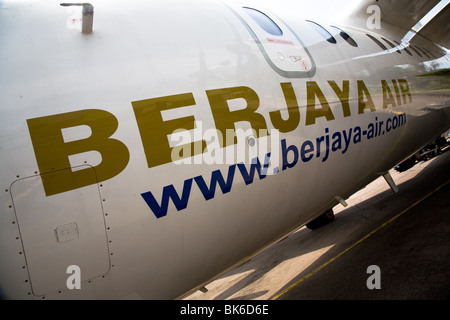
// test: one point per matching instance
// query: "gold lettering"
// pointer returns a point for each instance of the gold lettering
(293, 110)
(225, 119)
(362, 102)
(312, 113)
(388, 97)
(343, 95)
(404, 88)
(397, 92)
(52, 152)
(154, 130)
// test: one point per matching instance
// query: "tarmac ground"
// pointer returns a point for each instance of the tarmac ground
(383, 246)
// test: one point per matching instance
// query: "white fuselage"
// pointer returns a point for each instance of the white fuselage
(94, 175)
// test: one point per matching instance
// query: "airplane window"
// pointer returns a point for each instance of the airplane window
(346, 37)
(391, 44)
(322, 31)
(416, 51)
(264, 22)
(423, 51)
(378, 42)
(404, 48)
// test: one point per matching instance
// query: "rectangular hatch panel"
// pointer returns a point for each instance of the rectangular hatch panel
(58, 231)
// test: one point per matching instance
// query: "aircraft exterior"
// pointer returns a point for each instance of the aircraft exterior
(179, 138)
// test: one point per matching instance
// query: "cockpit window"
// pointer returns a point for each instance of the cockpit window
(264, 22)
(322, 31)
(346, 37)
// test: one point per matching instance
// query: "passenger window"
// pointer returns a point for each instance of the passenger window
(346, 37)
(423, 51)
(416, 51)
(426, 50)
(404, 48)
(322, 31)
(391, 44)
(264, 22)
(378, 42)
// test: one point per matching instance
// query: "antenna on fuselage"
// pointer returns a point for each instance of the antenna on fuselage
(87, 18)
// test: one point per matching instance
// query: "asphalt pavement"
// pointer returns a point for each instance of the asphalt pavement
(383, 246)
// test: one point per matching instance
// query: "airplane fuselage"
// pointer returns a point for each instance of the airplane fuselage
(179, 139)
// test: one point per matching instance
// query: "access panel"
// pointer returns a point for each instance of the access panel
(59, 231)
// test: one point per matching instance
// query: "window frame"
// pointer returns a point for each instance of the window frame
(344, 35)
(264, 21)
(378, 42)
(322, 31)
(391, 44)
